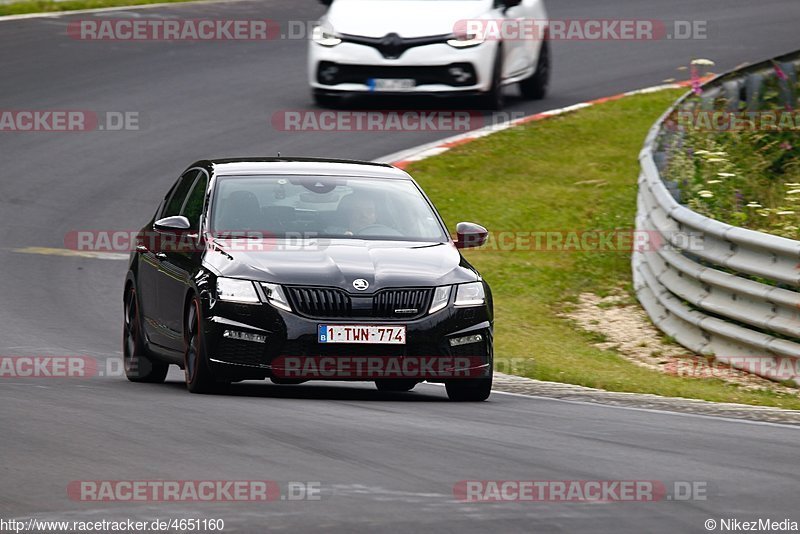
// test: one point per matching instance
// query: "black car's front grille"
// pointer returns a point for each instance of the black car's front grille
(401, 302)
(320, 301)
(326, 302)
(455, 74)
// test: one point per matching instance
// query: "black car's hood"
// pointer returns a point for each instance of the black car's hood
(338, 262)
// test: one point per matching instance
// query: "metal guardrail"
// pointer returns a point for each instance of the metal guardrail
(712, 298)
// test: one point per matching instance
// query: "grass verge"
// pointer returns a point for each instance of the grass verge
(48, 6)
(574, 172)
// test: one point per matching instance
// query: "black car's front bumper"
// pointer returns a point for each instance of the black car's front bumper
(279, 334)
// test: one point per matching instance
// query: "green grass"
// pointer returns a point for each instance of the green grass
(48, 6)
(749, 177)
(525, 179)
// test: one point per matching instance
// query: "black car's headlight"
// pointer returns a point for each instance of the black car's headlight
(325, 37)
(276, 296)
(471, 294)
(440, 298)
(235, 290)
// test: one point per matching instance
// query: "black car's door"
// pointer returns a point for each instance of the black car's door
(147, 278)
(151, 262)
(179, 263)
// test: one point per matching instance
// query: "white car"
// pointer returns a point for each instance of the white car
(429, 47)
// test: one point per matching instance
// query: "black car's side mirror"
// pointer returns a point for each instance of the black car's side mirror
(470, 235)
(172, 225)
(326, 2)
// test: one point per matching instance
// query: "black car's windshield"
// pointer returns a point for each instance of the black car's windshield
(330, 207)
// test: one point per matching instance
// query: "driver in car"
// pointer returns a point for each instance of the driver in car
(361, 213)
(358, 215)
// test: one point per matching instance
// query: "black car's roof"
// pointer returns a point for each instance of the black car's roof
(306, 166)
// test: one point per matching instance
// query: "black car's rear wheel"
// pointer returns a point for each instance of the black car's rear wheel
(395, 385)
(199, 377)
(140, 366)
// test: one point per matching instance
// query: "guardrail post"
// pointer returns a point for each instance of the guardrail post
(754, 85)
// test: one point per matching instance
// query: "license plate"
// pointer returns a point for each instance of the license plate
(392, 84)
(370, 334)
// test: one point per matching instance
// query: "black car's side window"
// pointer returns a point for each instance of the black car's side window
(193, 207)
(179, 194)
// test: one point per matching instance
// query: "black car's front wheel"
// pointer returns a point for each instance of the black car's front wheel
(469, 390)
(140, 366)
(199, 377)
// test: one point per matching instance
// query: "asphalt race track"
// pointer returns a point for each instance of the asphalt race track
(383, 461)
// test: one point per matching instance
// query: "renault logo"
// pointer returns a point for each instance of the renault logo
(392, 46)
(360, 284)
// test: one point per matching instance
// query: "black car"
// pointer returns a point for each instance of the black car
(297, 269)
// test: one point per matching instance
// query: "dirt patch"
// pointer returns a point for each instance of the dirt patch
(626, 329)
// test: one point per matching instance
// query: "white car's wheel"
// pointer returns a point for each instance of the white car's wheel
(493, 99)
(535, 87)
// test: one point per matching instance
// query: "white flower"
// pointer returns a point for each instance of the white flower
(705, 194)
(793, 192)
(754, 205)
(787, 212)
(700, 61)
(726, 174)
(714, 182)
(715, 160)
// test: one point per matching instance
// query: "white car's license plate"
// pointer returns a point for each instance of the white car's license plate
(372, 334)
(392, 84)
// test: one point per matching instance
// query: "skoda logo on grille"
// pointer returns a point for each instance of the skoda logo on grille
(360, 284)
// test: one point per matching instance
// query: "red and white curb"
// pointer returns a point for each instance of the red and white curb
(403, 158)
